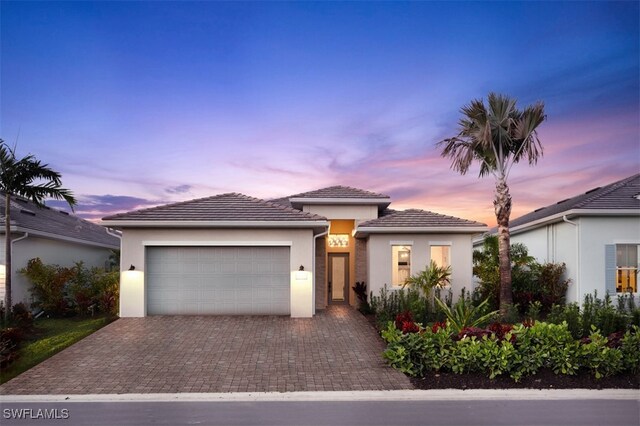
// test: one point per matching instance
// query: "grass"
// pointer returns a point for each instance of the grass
(50, 336)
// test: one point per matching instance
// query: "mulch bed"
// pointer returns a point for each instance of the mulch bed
(543, 379)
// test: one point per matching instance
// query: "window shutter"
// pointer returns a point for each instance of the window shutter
(610, 268)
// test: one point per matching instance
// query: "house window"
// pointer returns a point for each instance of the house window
(400, 264)
(441, 255)
(627, 268)
(338, 240)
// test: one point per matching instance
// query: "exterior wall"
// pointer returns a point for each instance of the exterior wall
(321, 273)
(555, 243)
(359, 213)
(595, 233)
(50, 251)
(345, 227)
(380, 262)
(581, 248)
(135, 240)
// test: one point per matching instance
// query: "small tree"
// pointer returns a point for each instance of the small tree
(497, 136)
(28, 178)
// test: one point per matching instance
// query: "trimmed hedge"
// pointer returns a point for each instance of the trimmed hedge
(521, 351)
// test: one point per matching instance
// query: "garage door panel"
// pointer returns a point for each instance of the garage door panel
(218, 280)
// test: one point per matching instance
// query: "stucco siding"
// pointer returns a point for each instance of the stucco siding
(359, 213)
(380, 258)
(555, 243)
(595, 233)
(57, 252)
(135, 240)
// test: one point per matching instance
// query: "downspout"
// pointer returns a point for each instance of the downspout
(578, 272)
(26, 234)
(113, 234)
(313, 268)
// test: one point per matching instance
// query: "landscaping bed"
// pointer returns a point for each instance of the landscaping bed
(543, 379)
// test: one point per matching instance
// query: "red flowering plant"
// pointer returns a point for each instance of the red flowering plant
(405, 323)
(437, 326)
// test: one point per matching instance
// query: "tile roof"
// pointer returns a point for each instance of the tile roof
(339, 192)
(415, 218)
(28, 216)
(615, 196)
(223, 207)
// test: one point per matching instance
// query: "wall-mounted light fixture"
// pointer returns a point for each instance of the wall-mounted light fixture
(301, 275)
(132, 268)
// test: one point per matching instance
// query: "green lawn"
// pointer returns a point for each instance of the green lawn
(51, 335)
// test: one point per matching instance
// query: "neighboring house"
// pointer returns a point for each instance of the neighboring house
(596, 234)
(234, 254)
(56, 237)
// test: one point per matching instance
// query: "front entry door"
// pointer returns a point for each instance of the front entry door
(338, 278)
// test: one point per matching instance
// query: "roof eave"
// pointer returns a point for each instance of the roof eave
(366, 230)
(52, 236)
(214, 223)
(571, 214)
(380, 202)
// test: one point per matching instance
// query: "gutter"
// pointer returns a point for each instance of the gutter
(313, 268)
(214, 224)
(578, 248)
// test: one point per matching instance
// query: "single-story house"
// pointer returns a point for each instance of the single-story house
(596, 234)
(55, 236)
(235, 254)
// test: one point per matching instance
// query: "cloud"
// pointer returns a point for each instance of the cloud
(179, 189)
(94, 207)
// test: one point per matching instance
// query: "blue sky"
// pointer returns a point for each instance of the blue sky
(140, 103)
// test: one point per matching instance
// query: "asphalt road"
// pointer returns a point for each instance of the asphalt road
(365, 413)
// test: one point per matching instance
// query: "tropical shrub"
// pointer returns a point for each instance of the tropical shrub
(59, 290)
(48, 285)
(433, 276)
(390, 303)
(595, 312)
(464, 314)
(521, 351)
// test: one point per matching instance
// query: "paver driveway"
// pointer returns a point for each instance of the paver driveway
(336, 350)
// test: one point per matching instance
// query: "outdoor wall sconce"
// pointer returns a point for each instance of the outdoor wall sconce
(132, 268)
(301, 275)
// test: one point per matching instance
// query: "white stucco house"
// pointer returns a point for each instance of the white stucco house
(235, 254)
(596, 234)
(56, 237)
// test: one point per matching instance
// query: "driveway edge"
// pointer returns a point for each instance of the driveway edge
(350, 396)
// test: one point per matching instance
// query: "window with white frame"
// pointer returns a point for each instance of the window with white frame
(400, 264)
(441, 255)
(627, 261)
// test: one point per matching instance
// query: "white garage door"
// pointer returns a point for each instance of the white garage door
(218, 280)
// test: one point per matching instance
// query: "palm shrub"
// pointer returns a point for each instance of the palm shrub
(464, 314)
(497, 135)
(27, 177)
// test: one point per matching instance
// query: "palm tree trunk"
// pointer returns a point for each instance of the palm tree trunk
(7, 258)
(502, 205)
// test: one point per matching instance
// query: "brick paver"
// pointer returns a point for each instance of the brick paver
(336, 350)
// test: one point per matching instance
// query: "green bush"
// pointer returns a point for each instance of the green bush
(58, 290)
(523, 351)
(48, 285)
(531, 281)
(390, 303)
(599, 358)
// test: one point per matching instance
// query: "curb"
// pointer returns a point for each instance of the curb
(344, 396)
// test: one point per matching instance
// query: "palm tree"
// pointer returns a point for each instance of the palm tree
(29, 178)
(497, 136)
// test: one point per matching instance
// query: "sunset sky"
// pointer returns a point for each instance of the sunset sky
(143, 103)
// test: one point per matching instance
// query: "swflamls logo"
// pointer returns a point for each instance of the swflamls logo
(35, 414)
